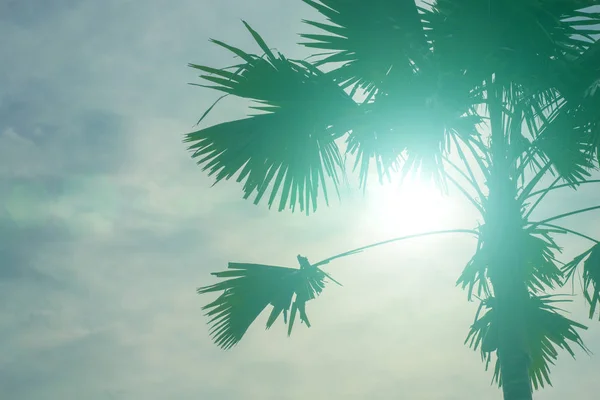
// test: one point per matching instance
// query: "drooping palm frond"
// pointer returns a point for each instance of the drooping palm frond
(546, 331)
(475, 274)
(591, 275)
(290, 147)
(371, 40)
(250, 288)
(539, 257)
(536, 251)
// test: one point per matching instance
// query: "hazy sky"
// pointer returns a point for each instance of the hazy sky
(107, 228)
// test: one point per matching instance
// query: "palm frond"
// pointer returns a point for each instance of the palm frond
(534, 248)
(371, 40)
(541, 265)
(290, 145)
(556, 143)
(547, 330)
(475, 274)
(372, 140)
(579, 83)
(516, 39)
(393, 240)
(567, 147)
(250, 288)
(409, 129)
(534, 225)
(591, 275)
(412, 101)
(561, 186)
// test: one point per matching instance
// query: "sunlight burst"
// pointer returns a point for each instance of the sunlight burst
(412, 207)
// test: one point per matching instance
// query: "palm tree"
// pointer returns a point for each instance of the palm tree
(508, 89)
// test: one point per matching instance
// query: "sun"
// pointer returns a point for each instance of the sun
(411, 207)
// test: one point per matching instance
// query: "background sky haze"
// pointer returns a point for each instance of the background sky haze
(108, 227)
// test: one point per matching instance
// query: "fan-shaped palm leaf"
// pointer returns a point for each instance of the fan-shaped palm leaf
(578, 118)
(565, 122)
(370, 39)
(565, 145)
(515, 39)
(546, 331)
(411, 101)
(290, 147)
(250, 288)
(591, 275)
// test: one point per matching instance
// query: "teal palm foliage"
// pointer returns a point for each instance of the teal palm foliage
(251, 288)
(509, 89)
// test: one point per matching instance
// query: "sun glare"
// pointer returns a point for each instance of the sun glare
(414, 206)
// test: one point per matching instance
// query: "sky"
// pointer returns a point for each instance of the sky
(107, 227)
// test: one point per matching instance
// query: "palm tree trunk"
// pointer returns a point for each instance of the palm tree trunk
(516, 384)
(511, 295)
(505, 268)
(512, 351)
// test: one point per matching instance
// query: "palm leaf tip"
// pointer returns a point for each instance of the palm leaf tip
(249, 288)
(591, 279)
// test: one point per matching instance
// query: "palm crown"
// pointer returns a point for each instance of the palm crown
(511, 89)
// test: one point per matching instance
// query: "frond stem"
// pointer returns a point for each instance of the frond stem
(471, 199)
(560, 186)
(562, 228)
(535, 224)
(468, 167)
(398, 239)
(539, 199)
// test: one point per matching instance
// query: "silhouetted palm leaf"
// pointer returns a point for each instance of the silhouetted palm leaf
(565, 145)
(535, 249)
(413, 122)
(371, 39)
(516, 39)
(579, 116)
(591, 275)
(410, 102)
(546, 330)
(290, 147)
(250, 288)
